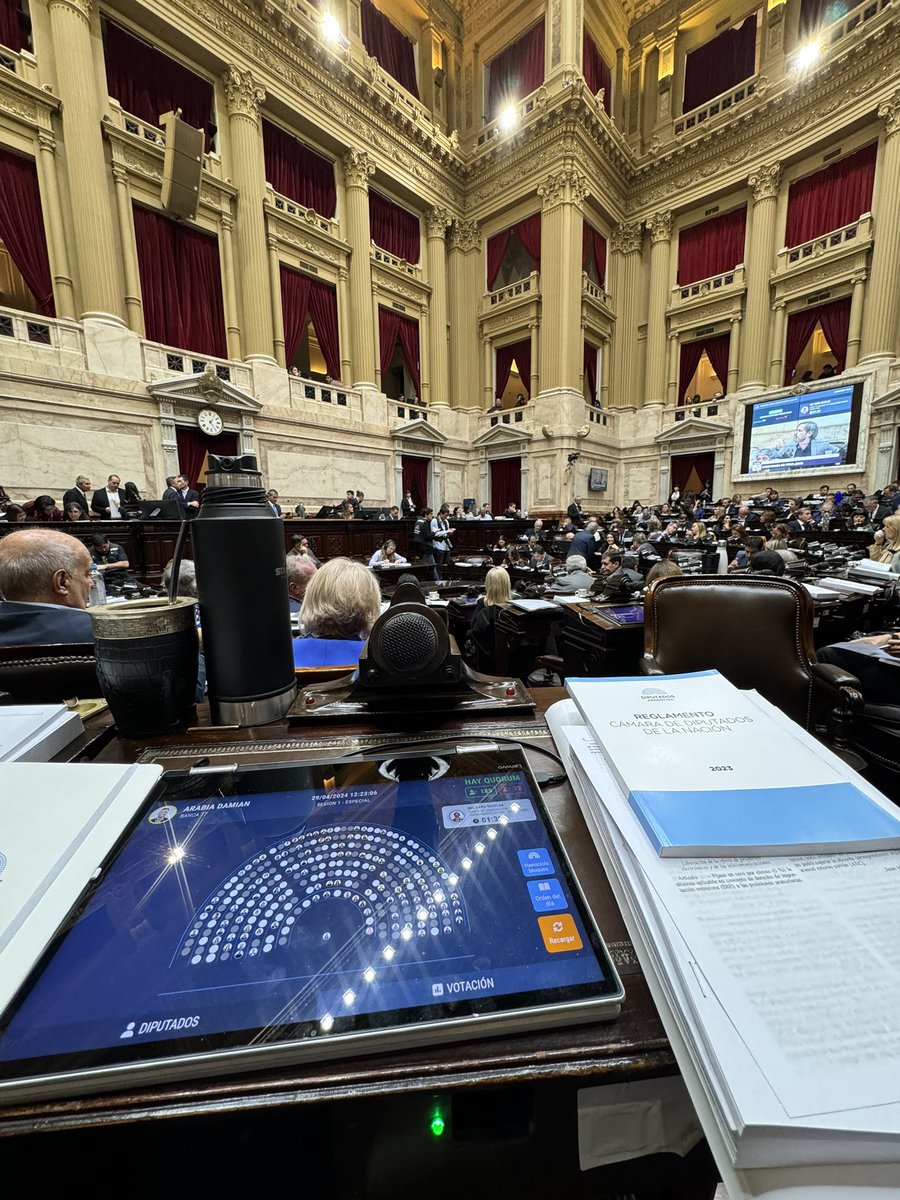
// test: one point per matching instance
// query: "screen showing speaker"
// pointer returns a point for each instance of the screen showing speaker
(799, 432)
(598, 480)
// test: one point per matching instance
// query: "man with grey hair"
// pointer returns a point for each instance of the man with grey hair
(585, 543)
(300, 571)
(577, 577)
(45, 581)
(78, 495)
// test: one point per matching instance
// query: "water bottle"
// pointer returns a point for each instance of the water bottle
(722, 568)
(98, 588)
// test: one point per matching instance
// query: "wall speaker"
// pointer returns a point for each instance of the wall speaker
(182, 167)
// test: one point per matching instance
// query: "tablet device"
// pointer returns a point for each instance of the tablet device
(269, 915)
(624, 614)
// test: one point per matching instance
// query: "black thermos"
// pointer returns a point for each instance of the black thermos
(243, 593)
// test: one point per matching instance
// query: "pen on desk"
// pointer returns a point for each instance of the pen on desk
(209, 728)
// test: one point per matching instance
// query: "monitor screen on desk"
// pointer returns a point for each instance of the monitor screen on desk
(275, 914)
(817, 428)
(624, 614)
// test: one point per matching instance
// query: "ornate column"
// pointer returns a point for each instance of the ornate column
(659, 227)
(604, 374)
(854, 334)
(674, 345)
(879, 335)
(133, 306)
(487, 358)
(357, 170)
(95, 233)
(624, 248)
(776, 356)
(53, 222)
(244, 98)
(534, 332)
(376, 334)
(465, 292)
(275, 293)
(344, 322)
(764, 183)
(437, 222)
(734, 357)
(562, 196)
(425, 340)
(232, 324)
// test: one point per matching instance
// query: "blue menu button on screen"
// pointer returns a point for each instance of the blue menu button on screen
(546, 895)
(535, 862)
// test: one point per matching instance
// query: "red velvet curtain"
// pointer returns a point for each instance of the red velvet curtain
(594, 69)
(506, 483)
(593, 248)
(712, 246)
(393, 49)
(415, 478)
(691, 469)
(691, 353)
(394, 228)
(303, 297)
(516, 71)
(12, 29)
(590, 371)
(392, 327)
(831, 198)
(835, 321)
(505, 355)
(297, 172)
(717, 351)
(528, 233)
(721, 64)
(181, 284)
(147, 83)
(22, 227)
(194, 446)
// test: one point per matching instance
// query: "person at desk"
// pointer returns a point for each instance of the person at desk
(300, 549)
(341, 604)
(42, 508)
(300, 571)
(110, 559)
(886, 548)
(387, 554)
(45, 579)
(74, 512)
(540, 559)
(577, 577)
(497, 595)
(616, 577)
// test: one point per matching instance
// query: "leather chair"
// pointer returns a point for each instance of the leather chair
(758, 633)
(48, 674)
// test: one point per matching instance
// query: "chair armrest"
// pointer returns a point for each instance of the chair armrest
(649, 666)
(847, 686)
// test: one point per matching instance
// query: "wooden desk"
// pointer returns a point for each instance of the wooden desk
(540, 1071)
(594, 644)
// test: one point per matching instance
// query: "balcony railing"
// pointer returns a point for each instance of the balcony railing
(529, 287)
(713, 409)
(283, 204)
(857, 16)
(29, 335)
(399, 264)
(20, 62)
(155, 135)
(522, 414)
(856, 234)
(715, 107)
(703, 288)
(593, 291)
(498, 126)
(342, 399)
(162, 362)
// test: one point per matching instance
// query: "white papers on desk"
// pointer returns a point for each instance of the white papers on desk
(532, 605)
(58, 822)
(850, 585)
(35, 732)
(821, 593)
(777, 979)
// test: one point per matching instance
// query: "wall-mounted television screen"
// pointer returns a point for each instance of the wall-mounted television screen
(598, 480)
(797, 433)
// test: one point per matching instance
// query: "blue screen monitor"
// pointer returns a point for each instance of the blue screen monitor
(817, 428)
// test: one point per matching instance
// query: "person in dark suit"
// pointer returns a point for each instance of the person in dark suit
(584, 543)
(45, 578)
(107, 502)
(408, 505)
(272, 497)
(185, 497)
(576, 516)
(78, 495)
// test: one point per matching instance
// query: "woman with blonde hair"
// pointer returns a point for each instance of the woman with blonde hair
(341, 604)
(497, 595)
(886, 547)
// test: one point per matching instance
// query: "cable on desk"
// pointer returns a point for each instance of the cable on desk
(547, 782)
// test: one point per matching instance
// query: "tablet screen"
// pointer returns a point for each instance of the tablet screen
(625, 614)
(298, 903)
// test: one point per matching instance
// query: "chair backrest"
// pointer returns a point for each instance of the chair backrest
(48, 674)
(756, 631)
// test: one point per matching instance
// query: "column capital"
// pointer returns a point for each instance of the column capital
(243, 93)
(659, 227)
(358, 168)
(437, 221)
(465, 236)
(119, 173)
(82, 8)
(765, 181)
(47, 141)
(567, 186)
(227, 221)
(859, 278)
(890, 114)
(626, 239)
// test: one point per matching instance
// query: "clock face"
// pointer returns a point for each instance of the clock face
(210, 421)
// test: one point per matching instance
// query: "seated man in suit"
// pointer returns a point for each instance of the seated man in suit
(300, 571)
(577, 578)
(45, 579)
(106, 502)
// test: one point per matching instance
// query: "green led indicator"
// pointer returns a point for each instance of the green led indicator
(438, 1124)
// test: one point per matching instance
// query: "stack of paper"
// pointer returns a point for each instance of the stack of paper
(35, 732)
(850, 585)
(776, 978)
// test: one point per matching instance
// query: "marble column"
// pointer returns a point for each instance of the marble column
(879, 333)
(764, 182)
(674, 345)
(92, 217)
(133, 306)
(275, 293)
(563, 35)
(604, 374)
(244, 98)
(465, 293)
(437, 222)
(229, 289)
(562, 196)
(63, 290)
(776, 356)
(625, 256)
(343, 303)
(534, 336)
(659, 227)
(854, 333)
(734, 357)
(357, 170)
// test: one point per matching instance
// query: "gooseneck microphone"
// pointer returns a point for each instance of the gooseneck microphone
(243, 593)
